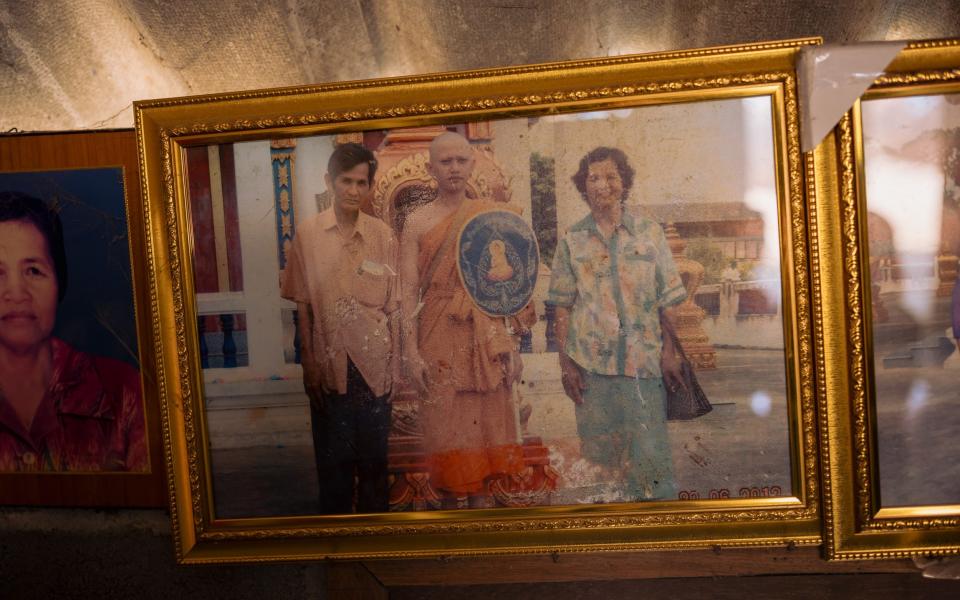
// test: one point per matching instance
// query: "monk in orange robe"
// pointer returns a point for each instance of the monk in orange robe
(463, 362)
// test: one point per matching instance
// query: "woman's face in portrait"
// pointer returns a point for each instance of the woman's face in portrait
(604, 185)
(28, 287)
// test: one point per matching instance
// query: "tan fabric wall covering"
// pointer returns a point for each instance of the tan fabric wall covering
(79, 64)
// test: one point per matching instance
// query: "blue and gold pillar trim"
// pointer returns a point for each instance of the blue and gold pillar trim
(282, 158)
(283, 154)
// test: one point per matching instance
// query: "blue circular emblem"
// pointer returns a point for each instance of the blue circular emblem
(498, 259)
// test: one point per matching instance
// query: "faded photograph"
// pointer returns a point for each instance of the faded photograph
(912, 173)
(560, 310)
(70, 391)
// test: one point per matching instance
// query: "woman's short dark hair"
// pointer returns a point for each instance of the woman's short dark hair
(15, 206)
(601, 154)
(347, 156)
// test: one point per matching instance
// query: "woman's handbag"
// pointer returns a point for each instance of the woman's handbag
(688, 402)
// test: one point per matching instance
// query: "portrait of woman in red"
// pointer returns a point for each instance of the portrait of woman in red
(61, 409)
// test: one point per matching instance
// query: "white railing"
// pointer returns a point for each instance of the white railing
(729, 323)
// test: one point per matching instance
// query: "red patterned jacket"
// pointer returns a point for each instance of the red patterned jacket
(91, 419)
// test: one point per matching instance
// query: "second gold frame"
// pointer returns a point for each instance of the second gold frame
(886, 259)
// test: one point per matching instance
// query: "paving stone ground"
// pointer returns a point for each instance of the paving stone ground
(742, 447)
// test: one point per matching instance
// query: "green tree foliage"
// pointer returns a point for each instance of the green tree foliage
(543, 196)
(710, 256)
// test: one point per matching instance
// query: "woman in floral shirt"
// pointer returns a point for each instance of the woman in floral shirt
(613, 275)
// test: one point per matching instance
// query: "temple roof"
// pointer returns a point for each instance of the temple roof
(696, 212)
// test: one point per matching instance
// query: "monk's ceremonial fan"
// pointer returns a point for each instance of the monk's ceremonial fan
(498, 260)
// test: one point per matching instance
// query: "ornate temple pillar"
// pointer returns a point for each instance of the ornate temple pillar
(687, 316)
(950, 240)
(402, 161)
(946, 272)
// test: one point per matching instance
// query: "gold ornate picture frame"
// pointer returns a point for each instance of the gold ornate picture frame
(890, 269)
(743, 244)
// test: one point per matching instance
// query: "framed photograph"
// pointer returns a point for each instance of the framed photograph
(79, 418)
(890, 481)
(559, 307)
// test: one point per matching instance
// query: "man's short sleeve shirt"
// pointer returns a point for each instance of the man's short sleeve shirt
(352, 288)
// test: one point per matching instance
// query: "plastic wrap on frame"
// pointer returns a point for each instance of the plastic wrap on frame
(831, 78)
(938, 567)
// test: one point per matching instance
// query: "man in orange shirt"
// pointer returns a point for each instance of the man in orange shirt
(342, 273)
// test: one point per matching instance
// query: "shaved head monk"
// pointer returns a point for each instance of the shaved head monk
(462, 361)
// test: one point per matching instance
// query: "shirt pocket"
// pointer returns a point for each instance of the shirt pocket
(592, 272)
(638, 275)
(370, 289)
